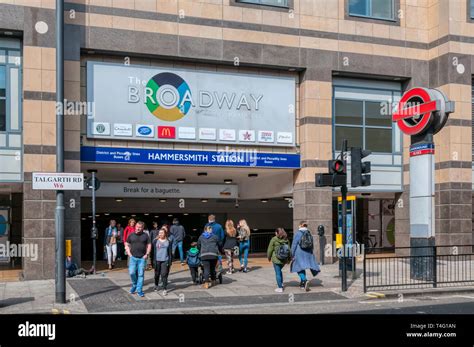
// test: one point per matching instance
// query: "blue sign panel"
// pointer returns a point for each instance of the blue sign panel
(228, 158)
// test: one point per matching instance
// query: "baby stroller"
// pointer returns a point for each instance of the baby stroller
(219, 271)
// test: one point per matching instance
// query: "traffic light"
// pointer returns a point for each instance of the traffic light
(337, 166)
(336, 176)
(360, 170)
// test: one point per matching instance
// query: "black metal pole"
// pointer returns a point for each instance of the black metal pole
(344, 238)
(94, 227)
(60, 279)
(344, 224)
(321, 248)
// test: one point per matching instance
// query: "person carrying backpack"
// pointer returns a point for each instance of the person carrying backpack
(303, 257)
(210, 247)
(193, 260)
(279, 254)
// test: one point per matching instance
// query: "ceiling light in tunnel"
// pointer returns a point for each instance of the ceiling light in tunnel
(203, 200)
(162, 200)
(132, 179)
(119, 199)
(228, 181)
(264, 200)
(181, 180)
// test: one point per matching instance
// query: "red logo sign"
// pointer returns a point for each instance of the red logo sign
(166, 132)
(415, 111)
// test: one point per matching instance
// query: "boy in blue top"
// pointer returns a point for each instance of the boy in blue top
(193, 260)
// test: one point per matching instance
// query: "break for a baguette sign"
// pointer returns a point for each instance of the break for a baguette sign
(422, 109)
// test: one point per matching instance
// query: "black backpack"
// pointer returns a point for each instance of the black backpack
(282, 252)
(306, 241)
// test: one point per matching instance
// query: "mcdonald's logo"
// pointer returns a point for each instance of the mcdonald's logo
(165, 132)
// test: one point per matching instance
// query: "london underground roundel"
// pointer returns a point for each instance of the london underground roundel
(415, 112)
(168, 96)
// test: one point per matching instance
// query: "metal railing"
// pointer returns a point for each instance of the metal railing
(259, 241)
(418, 267)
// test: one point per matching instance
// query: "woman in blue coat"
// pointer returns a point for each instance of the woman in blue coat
(303, 258)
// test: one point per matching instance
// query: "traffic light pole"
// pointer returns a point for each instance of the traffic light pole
(94, 239)
(344, 222)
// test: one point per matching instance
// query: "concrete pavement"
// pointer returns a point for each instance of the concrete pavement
(252, 292)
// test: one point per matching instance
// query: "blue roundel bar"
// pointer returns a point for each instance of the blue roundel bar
(194, 158)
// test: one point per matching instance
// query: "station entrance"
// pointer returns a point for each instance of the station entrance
(260, 196)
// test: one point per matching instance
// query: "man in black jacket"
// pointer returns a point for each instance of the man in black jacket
(210, 246)
(178, 232)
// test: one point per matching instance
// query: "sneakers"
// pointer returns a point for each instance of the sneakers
(229, 272)
(141, 294)
(279, 290)
(155, 288)
(164, 292)
(245, 270)
(183, 263)
(133, 290)
(306, 286)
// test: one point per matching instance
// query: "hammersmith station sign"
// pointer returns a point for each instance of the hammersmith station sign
(185, 105)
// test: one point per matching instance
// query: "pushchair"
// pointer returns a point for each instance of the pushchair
(219, 272)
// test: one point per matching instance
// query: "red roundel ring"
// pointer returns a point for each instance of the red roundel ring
(423, 110)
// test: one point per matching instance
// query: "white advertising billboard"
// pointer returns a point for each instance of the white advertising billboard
(185, 105)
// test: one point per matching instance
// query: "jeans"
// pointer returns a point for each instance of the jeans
(194, 273)
(136, 269)
(302, 274)
(161, 269)
(111, 253)
(279, 274)
(180, 249)
(244, 248)
(209, 269)
(120, 250)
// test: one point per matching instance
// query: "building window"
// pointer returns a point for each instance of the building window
(364, 118)
(276, 3)
(3, 98)
(378, 9)
(471, 11)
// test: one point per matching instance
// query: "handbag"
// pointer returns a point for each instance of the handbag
(236, 250)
